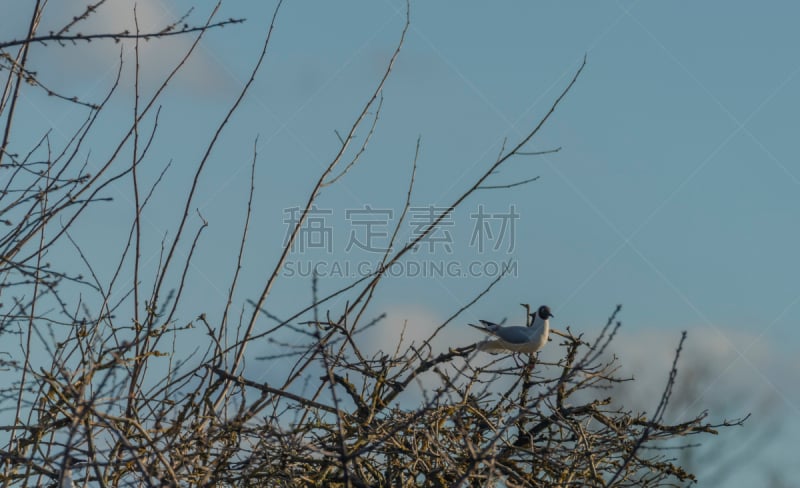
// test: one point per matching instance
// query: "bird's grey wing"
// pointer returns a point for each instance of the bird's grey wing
(514, 335)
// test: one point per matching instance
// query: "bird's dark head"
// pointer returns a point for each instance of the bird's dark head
(544, 312)
(71, 461)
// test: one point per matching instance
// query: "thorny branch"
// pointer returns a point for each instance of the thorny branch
(116, 404)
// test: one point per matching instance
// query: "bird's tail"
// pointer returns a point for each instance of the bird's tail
(481, 328)
(486, 326)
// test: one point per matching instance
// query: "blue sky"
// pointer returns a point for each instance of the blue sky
(675, 192)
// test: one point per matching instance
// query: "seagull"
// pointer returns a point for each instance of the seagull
(65, 476)
(517, 338)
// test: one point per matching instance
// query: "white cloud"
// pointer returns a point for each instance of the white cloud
(411, 323)
(715, 366)
(85, 63)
